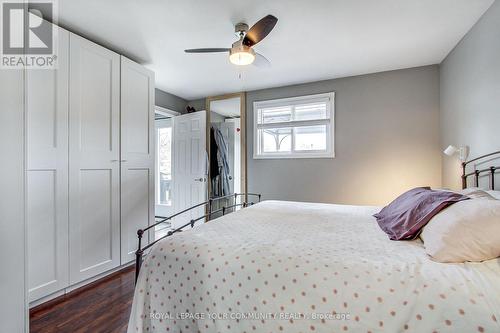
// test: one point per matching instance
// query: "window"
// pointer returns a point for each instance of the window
(164, 162)
(165, 165)
(298, 127)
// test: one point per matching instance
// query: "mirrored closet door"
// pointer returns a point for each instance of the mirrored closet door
(226, 144)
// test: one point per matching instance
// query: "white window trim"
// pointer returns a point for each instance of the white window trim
(329, 153)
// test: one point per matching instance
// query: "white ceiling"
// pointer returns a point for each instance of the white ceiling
(313, 40)
(229, 107)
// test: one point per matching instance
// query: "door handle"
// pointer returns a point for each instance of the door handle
(200, 179)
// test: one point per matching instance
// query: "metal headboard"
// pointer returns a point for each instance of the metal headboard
(479, 172)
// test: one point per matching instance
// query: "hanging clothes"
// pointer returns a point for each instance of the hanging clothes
(219, 163)
(223, 160)
(214, 165)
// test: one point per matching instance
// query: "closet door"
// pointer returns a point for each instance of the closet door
(94, 167)
(137, 154)
(47, 175)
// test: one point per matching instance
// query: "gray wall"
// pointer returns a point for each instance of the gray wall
(386, 141)
(198, 104)
(170, 101)
(470, 93)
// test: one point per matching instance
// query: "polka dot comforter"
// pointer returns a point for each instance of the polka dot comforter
(305, 267)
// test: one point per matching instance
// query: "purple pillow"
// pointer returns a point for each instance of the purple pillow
(409, 213)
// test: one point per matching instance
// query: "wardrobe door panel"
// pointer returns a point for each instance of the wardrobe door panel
(47, 174)
(137, 154)
(94, 191)
(136, 208)
(95, 101)
(42, 218)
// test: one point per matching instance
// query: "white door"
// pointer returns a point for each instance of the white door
(94, 167)
(190, 165)
(47, 174)
(137, 154)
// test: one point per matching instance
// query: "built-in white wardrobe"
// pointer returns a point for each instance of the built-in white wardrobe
(90, 164)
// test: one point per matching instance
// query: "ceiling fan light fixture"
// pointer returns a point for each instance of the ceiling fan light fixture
(241, 55)
(241, 52)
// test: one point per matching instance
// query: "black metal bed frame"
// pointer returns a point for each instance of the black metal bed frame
(478, 172)
(209, 203)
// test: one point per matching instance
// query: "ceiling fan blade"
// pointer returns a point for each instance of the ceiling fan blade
(207, 50)
(261, 61)
(260, 30)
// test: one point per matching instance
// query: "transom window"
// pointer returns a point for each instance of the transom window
(298, 127)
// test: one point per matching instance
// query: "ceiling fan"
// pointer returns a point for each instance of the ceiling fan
(241, 52)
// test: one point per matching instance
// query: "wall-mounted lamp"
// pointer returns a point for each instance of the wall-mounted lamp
(463, 152)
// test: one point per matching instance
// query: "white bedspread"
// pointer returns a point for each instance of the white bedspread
(303, 267)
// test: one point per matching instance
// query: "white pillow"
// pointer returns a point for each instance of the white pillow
(494, 194)
(476, 193)
(468, 230)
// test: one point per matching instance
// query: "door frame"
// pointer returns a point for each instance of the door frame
(243, 142)
(167, 113)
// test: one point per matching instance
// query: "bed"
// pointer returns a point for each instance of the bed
(308, 267)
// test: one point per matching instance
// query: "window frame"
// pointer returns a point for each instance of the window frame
(294, 154)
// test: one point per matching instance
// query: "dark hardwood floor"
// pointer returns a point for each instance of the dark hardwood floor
(102, 307)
